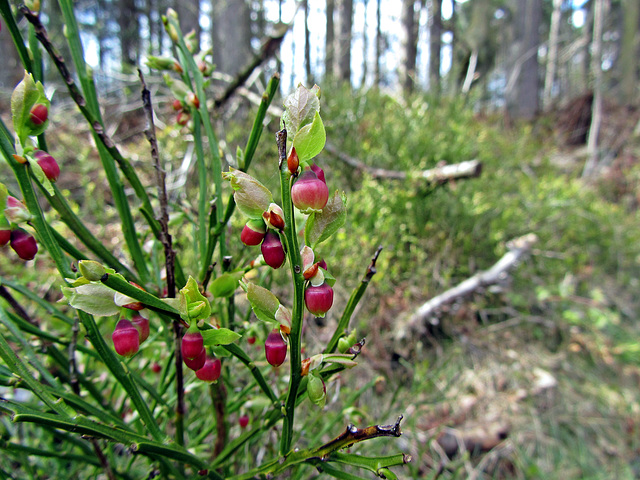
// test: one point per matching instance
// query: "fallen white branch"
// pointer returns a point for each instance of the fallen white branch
(429, 312)
(440, 174)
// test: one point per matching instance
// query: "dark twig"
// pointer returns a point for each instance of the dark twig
(169, 254)
(353, 435)
(268, 50)
(219, 399)
(4, 293)
(73, 368)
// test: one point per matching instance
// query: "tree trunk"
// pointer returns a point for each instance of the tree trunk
(231, 35)
(435, 47)
(129, 34)
(365, 47)
(630, 50)
(409, 46)
(189, 15)
(343, 47)
(596, 69)
(307, 45)
(329, 41)
(522, 90)
(378, 53)
(552, 56)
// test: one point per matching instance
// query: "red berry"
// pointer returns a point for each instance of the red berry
(23, 244)
(210, 372)
(309, 192)
(253, 233)
(243, 421)
(318, 299)
(251, 340)
(183, 118)
(197, 363)
(192, 345)
(177, 105)
(48, 164)
(142, 325)
(126, 338)
(5, 236)
(272, 250)
(155, 366)
(275, 348)
(38, 114)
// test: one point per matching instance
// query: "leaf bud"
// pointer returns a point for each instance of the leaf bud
(38, 114)
(16, 211)
(316, 389)
(91, 270)
(293, 162)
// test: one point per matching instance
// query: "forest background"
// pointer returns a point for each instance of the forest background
(530, 373)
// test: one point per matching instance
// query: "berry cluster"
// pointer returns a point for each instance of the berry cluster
(195, 357)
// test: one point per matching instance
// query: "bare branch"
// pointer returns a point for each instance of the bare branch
(429, 311)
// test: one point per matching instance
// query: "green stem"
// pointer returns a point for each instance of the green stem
(295, 263)
(356, 295)
(5, 11)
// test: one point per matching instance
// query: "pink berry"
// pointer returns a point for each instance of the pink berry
(23, 244)
(309, 193)
(275, 348)
(126, 338)
(142, 325)
(272, 250)
(197, 363)
(253, 233)
(243, 421)
(38, 114)
(318, 299)
(192, 345)
(210, 372)
(177, 105)
(5, 237)
(48, 164)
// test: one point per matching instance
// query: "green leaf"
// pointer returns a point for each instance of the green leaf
(251, 196)
(321, 225)
(193, 305)
(264, 303)
(26, 94)
(310, 139)
(219, 336)
(40, 176)
(226, 284)
(301, 108)
(93, 298)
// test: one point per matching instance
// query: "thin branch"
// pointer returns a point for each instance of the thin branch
(219, 399)
(4, 293)
(429, 312)
(438, 175)
(269, 49)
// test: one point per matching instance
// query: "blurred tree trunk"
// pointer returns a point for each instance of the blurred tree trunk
(343, 46)
(365, 47)
(12, 71)
(630, 50)
(523, 95)
(552, 55)
(329, 41)
(409, 46)
(307, 45)
(378, 53)
(189, 15)
(129, 34)
(599, 12)
(231, 35)
(587, 35)
(435, 47)
(149, 9)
